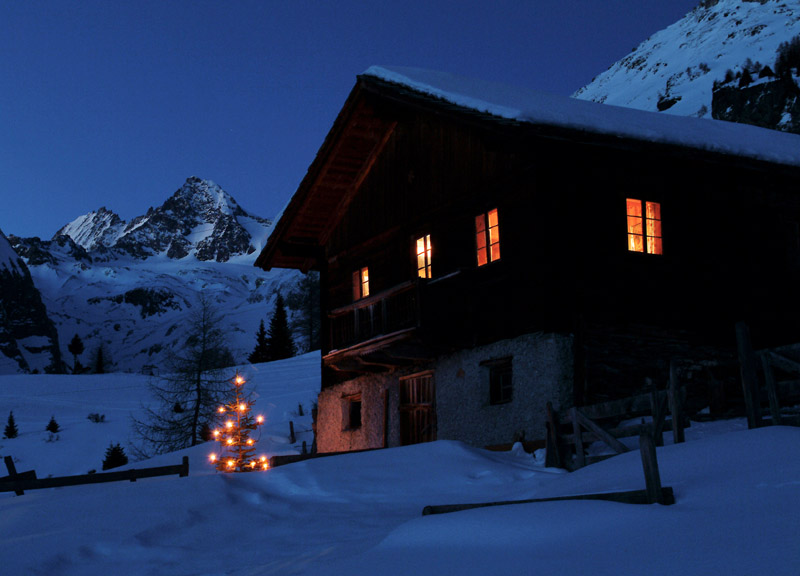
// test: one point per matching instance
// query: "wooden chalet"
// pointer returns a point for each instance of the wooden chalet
(484, 252)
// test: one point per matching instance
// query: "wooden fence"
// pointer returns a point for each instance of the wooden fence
(18, 482)
(774, 394)
(570, 433)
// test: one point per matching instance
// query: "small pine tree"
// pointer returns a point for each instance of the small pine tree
(76, 349)
(53, 426)
(261, 351)
(11, 430)
(115, 457)
(281, 343)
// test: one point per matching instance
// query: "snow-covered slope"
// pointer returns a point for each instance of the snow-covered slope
(674, 70)
(132, 287)
(737, 499)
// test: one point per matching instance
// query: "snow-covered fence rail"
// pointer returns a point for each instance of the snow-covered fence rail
(579, 426)
(19, 482)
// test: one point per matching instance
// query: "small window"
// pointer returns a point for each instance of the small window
(487, 237)
(424, 253)
(500, 381)
(361, 283)
(352, 411)
(644, 226)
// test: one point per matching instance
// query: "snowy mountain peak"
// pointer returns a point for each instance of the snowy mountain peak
(95, 229)
(675, 69)
(199, 219)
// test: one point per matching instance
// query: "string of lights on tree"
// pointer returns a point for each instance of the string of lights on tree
(237, 448)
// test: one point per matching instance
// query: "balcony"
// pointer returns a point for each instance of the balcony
(387, 313)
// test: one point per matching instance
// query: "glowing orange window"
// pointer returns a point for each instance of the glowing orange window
(361, 283)
(424, 253)
(644, 226)
(487, 237)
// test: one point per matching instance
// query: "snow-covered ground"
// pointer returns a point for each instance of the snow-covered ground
(737, 491)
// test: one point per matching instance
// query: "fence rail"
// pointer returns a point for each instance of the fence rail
(19, 482)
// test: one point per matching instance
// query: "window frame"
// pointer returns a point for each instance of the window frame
(487, 237)
(501, 380)
(352, 412)
(644, 231)
(361, 283)
(423, 259)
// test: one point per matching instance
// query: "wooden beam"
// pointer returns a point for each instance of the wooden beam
(667, 497)
(615, 444)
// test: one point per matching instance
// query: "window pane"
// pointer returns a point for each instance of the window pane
(480, 223)
(654, 228)
(493, 218)
(364, 282)
(635, 243)
(482, 256)
(654, 210)
(495, 252)
(634, 207)
(654, 246)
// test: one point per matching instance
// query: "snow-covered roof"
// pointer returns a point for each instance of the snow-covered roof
(552, 110)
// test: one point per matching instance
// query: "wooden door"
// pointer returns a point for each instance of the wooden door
(417, 409)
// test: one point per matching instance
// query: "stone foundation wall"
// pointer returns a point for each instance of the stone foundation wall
(541, 372)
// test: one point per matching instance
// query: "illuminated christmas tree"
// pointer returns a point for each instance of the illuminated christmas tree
(237, 448)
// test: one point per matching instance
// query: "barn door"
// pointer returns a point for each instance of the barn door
(417, 409)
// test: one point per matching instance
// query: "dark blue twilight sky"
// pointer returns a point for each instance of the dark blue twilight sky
(116, 102)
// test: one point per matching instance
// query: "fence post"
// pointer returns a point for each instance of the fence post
(552, 454)
(747, 367)
(655, 407)
(772, 391)
(12, 472)
(292, 438)
(675, 405)
(650, 464)
(576, 430)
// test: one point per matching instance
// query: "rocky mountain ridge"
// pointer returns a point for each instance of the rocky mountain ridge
(132, 287)
(675, 70)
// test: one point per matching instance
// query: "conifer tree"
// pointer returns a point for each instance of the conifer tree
(238, 448)
(76, 349)
(11, 430)
(281, 343)
(115, 456)
(53, 426)
(261, 351)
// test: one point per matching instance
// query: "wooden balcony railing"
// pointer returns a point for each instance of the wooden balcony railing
(384, 313)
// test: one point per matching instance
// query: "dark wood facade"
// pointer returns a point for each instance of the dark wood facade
(399, 165)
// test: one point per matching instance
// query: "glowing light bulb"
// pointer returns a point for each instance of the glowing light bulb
(260, 420)
(242, 407)
(239, 380)
(250, 441)
(216, 432)
(221, 409)
(229, 424)
(230, 440)
(212, 457)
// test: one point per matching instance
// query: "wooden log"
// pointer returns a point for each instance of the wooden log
(615, 444)
(650, 464)
(580, 457)
(626, 497)
(772, 390)
(747, 366)
(675, 405)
